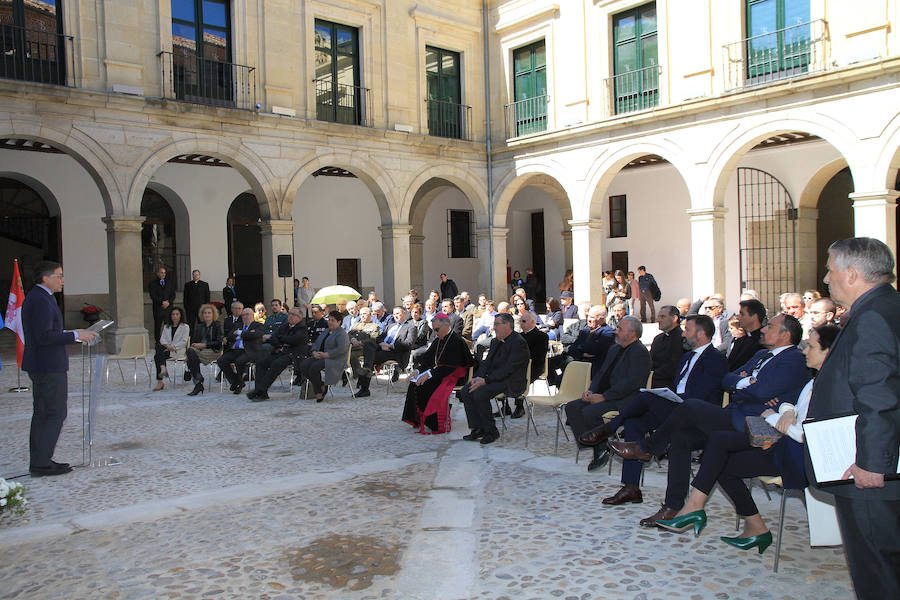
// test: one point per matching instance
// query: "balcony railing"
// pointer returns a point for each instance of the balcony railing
(774, 56)
(189, 78)
(633, 90)
(342, 103)
(449, 120)
(34, 55)
(527, 116)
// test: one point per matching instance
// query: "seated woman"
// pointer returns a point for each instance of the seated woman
(330, 351)
(259, 312)
(172, 343)
(553, 320)
(620, 291)
(729, 458)
(436, 373)
(206, 345)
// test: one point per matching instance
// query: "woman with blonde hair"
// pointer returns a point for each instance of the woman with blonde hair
(206, 345)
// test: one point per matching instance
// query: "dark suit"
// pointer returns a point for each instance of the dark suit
(403, 342)
(289, 345)
(861, 375)
(538, 342)
(596, 343)
(250, 351)
(196, 294)
(503, 371)
(457, 324)
(570, 312)
(665, 356)
(46, 361)
(228, 296)
(161, 291)
(744, 348)
(785, 372)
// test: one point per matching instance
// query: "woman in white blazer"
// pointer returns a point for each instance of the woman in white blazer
(172, 344)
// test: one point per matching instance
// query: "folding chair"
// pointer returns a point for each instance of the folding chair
(576, 379)
(134, 347)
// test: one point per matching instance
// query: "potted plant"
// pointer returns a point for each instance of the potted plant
(91, 313)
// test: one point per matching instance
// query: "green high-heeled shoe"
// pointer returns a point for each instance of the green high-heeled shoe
(696, 519)
(761, 541)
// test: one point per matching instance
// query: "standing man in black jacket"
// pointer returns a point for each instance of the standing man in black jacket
(861, 375)
(162, 297)
(196, 294)
(448, 288)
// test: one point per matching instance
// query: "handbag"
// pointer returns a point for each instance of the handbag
(759, 433)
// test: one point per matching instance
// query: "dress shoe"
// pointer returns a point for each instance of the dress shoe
(490, 436)
(396, 375)
(474, 435)
(260, 397)
(198, 389)
(187, 375)
(519, 412)
(628, 494)
(237, 388)
(695, 519)
(298, 381)
(761, 541)
(599, 461)
(251, 394)
(50, 471)
(344, 379)
(363, 394)
(595, 436)
(629, 451)
(159, 385)
(60, 465)
(664, 512)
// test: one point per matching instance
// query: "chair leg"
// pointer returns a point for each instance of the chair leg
(147, 367)
(528, 409)
(780, 529)
(121, 374)
(134, 384)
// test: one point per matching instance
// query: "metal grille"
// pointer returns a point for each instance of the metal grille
(767, 229)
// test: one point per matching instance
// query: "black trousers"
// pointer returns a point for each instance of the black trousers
(237, 357)
(311, 368)
(582, 416)
(871, 533)
(687, 429)
(479, 412)
(159, 359)
(50, 392)
(269, 368)
(642, 415)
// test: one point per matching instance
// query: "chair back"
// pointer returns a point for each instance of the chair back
(649, 380)
(133, 345)
(576, 378)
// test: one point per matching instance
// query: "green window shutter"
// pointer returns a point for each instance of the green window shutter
(635, 58)
(338, 95)
(530, 88)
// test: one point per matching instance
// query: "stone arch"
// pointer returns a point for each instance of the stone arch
(80, 147)
(538, 176)
(253, 169)
(373, 176)
(809, 197)
(887, 162)
(182, 217)
(427, 183)
(42, 190)
(725, 157)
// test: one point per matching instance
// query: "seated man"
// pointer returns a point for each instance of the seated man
(459, 303)
(290, 344)
(318, 323)
(484, 321)
(700, 374)
(352, 317)
(667, 347)
(245, 345)
(275, 318)
(591, 345)
(363, 331)
(752, 315)
(756, 386)
(442, 364)
(503, 371)
(423, 331)
(329, 354)
(380, 315)
(395, 343)
(618, 380)
(538, 342)
(569, 310)
(618, 313)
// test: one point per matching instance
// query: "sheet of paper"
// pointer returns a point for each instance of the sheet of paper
(832, 447)
(664, 393)
(417, 377)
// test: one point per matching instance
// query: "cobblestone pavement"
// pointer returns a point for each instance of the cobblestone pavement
(219, 497)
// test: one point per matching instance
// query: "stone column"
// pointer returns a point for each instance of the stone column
(126, 285)
(707, 250)
(587, 260)
(567, 248)
(806, 246)
(417, 265)
(875, 216)
(277, 238)
(500, 290)
(396, 258)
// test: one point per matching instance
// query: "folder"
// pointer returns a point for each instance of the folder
(831, 443)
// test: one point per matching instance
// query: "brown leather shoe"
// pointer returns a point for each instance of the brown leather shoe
(629, 451)
(663, 514)
(628, 494)
(595, 436)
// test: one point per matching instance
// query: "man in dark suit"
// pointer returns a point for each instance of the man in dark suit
(756, 386)
(162, 297)
(196, 294)
(591, 345)
(229, 294)
(667, 347)
(502, 371)
(538, 341)
(699, 375)
(234, 318)
(290, 344)
(619, 379)
(752, 315)
(394, 343)
(245, 343)
(456, 322)
(860, 375)
(46, 361)
(468, 319)
(569, 310)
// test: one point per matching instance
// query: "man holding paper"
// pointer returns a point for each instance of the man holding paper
(861, 375)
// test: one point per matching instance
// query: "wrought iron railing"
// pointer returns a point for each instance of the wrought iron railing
(342, 103)
(189, 78)
(527, 116)
(449, 120)
(35, 55)
(633, 90)
(781, 54)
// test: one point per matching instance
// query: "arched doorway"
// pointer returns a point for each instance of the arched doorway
(245, 248)
(158, 245)
(835, 217)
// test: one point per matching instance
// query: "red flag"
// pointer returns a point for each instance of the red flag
(14, 311)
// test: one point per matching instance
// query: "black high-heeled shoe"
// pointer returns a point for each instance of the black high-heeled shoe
(198, 389)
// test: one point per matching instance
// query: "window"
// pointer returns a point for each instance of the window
(32, 46)
(618, 218)
(636, 81)
(530, 83)
(444, 95)
(201, 51)
(339, 98)
(461, 234)
(778, 37)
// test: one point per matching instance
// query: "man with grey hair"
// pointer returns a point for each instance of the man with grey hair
(352, 317)
(861, 375)
(715, 310)
(591, 345)
(619, 379)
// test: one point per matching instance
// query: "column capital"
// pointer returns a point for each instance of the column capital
(277, 227)
(124, 223)
(586, 224)
(416, 239)
(877, 198)
(498, 233)
(394, 231)
(706, 213)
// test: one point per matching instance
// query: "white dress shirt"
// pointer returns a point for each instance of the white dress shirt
(682, 384)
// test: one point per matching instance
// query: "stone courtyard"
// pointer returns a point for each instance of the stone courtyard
(218, 497)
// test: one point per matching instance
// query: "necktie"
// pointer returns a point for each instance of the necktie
(162, 282)
(687, 365)
(239, 342)
(764, 358)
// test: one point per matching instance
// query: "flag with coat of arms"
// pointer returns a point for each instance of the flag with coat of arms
(14, 312)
